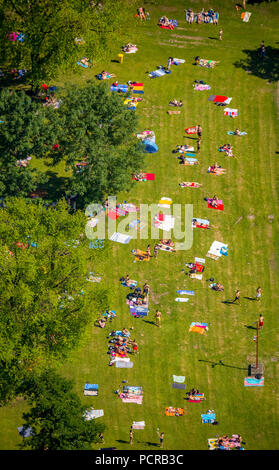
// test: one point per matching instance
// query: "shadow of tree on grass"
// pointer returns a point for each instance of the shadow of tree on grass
(266, 67)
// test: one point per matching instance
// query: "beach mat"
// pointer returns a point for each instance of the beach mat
(124, 365)
(179, 386)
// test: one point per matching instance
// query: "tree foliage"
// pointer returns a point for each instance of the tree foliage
(56, 416)
(95, 127)
(26, 130)
(50, 28)
(46, 302)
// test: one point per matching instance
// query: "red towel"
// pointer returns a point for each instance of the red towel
(150, 176)
(220, 99)
(113, 215)
(220, 207)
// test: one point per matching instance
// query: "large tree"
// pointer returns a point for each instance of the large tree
(46, 303)
(56, 415)
(27, 129)
(50, 28)
(97, 129)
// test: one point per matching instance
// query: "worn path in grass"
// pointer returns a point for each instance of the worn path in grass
(249, 190)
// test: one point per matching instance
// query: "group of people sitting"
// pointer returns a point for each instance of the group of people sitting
(107, 316)
(227, 442)
(216, 169)
(139, 296)
(141, 176)
(202, 17)
(121, 344)
(228, 149)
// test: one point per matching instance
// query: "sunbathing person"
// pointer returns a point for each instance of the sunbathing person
(218, 287)
(139, 176)
(164, 21)
(167, 242)
(129, 47)
(105, 75)
(214, 202)
(175, 103)
(216, 169)
(188, 184)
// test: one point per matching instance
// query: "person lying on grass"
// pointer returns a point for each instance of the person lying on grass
(164, 21)
(183, 148)
(214, 202)
(139, 176)
(188, 184)
(105, 75)
(218, 287)
(175, 103)
(216, 169)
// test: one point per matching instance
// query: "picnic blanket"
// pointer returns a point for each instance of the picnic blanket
(120, 238)
(219, 207)
(166, 223)
(220, 99)
(92, 414)
(171, 411)
(217, 249)
(160, 72)
(138, 311)
(253, 382)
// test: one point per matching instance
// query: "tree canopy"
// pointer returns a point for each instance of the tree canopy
(95, 128)
(50, 28)
(56, 416)
(25, 132)
(46, 302)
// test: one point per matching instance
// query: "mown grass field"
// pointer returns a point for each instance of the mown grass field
(249, 189)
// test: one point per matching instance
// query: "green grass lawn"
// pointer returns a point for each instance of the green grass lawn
(249, 190)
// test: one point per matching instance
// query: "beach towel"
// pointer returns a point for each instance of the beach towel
(178, 378)
(173, 112)
(246, 16)
(201, 87)
(165, 202)
(138, 425)
(181, 299)
(91, 389)
(120, 238)
(191, 161)
(138, 311)
(185, 292)
(191, 130)
(179, 386)
(198, 327)
(208, 418)
(219, 207)
(137, 400)
(171, 411)
(119, 88)
(189, 184)
(207, 63)
(231, 112)
(253, 382)
(200, 223)
(197, 398)
(92, 414)
(124, 365)
(233, 133)
(159, 72)
(147, 177)
(196, 276)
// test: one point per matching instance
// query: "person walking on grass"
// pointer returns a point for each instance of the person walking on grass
(220, 34)
(158, 317)
(261, 319)
(131, 435)
(258, 293)
(237, 297)
(199, 132)
(161, 437)
(198, 145)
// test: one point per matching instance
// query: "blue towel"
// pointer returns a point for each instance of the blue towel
(91, 387)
